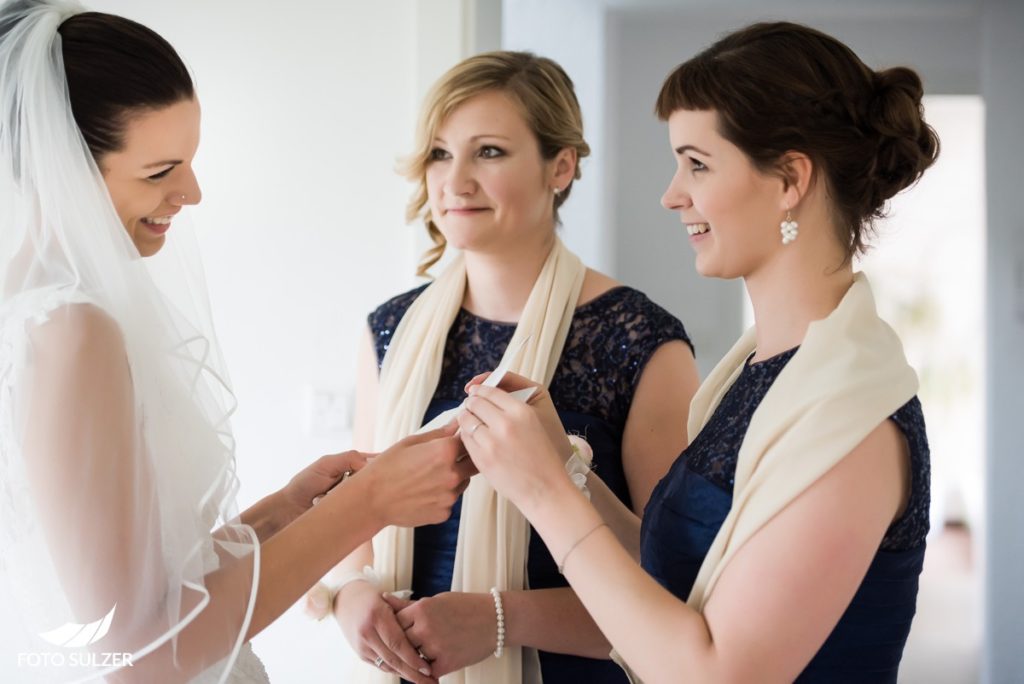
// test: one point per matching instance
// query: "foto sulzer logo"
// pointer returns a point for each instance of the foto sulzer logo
(74, 635)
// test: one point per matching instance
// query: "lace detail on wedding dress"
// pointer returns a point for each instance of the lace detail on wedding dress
(248, 668)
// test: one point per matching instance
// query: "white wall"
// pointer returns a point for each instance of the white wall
(306, 107)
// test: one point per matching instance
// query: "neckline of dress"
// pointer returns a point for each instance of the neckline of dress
(581, 308)
(788, 353)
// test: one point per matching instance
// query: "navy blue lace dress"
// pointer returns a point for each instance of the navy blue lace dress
(689, 505)
(610, 340)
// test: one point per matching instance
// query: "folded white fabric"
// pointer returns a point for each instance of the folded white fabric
(493, 380)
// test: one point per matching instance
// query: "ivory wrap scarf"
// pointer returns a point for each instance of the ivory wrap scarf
(848, 376)
(493, 534)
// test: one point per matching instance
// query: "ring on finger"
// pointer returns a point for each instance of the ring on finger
(379, 661)
(473, 429)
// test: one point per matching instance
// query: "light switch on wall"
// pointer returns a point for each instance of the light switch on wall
(327, 411)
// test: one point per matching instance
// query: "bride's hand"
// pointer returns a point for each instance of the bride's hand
(316, 479)
(520, 452)
(418, 479)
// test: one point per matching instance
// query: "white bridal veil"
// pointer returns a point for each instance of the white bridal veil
(117, 477)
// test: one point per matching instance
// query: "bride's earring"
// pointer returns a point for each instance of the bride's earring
(789, 229)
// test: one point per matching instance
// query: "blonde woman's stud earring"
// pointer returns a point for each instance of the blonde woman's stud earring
(789, 229)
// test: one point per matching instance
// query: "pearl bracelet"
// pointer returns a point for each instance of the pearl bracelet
(500, 612)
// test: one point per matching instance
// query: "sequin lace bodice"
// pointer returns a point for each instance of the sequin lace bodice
(609, 342)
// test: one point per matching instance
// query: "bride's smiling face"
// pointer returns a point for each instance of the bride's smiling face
(150, 178)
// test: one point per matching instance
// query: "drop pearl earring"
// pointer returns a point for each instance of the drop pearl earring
(789, 229)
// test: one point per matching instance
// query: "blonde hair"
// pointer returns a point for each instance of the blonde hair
(547, 101)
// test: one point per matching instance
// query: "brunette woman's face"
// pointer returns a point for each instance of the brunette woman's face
(150, 178)
(731, 210)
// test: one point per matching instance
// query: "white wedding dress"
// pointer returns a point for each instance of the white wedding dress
(119, 531)
(248, 668)
(31, 581)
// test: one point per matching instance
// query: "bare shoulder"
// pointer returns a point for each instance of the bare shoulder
(78, 331)
(866, 489)
(596, 284)
(881, 465)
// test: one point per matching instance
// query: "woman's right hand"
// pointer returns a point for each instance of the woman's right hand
(541, 403)
(516, 447)
(371, 628)
(418, 480)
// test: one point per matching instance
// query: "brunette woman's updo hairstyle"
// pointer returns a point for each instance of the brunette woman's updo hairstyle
(780, 87)
(114, 68)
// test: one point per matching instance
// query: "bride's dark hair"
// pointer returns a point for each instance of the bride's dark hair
(114, 68)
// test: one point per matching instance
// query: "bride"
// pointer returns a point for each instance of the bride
(121, 544)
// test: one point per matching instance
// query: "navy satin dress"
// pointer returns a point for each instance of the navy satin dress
(610, 340)
(689, 505)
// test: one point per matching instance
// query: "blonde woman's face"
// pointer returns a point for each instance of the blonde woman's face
(488, 188)
(150, 178)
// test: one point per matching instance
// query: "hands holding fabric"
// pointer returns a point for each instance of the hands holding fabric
(415, 482)
(521, 448)
(316, 479)
(419, 479)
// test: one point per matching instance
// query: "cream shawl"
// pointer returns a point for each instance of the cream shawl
(493, 535)
(848, 376)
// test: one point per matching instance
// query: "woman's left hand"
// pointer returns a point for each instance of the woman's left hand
(511, 446)
(451, 630)
(318, 478)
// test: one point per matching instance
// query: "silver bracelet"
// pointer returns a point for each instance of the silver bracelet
(500, 612)
(561, 566)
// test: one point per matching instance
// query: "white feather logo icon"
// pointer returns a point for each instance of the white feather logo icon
(74, 635)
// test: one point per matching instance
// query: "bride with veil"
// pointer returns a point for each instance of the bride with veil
(122, 553)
